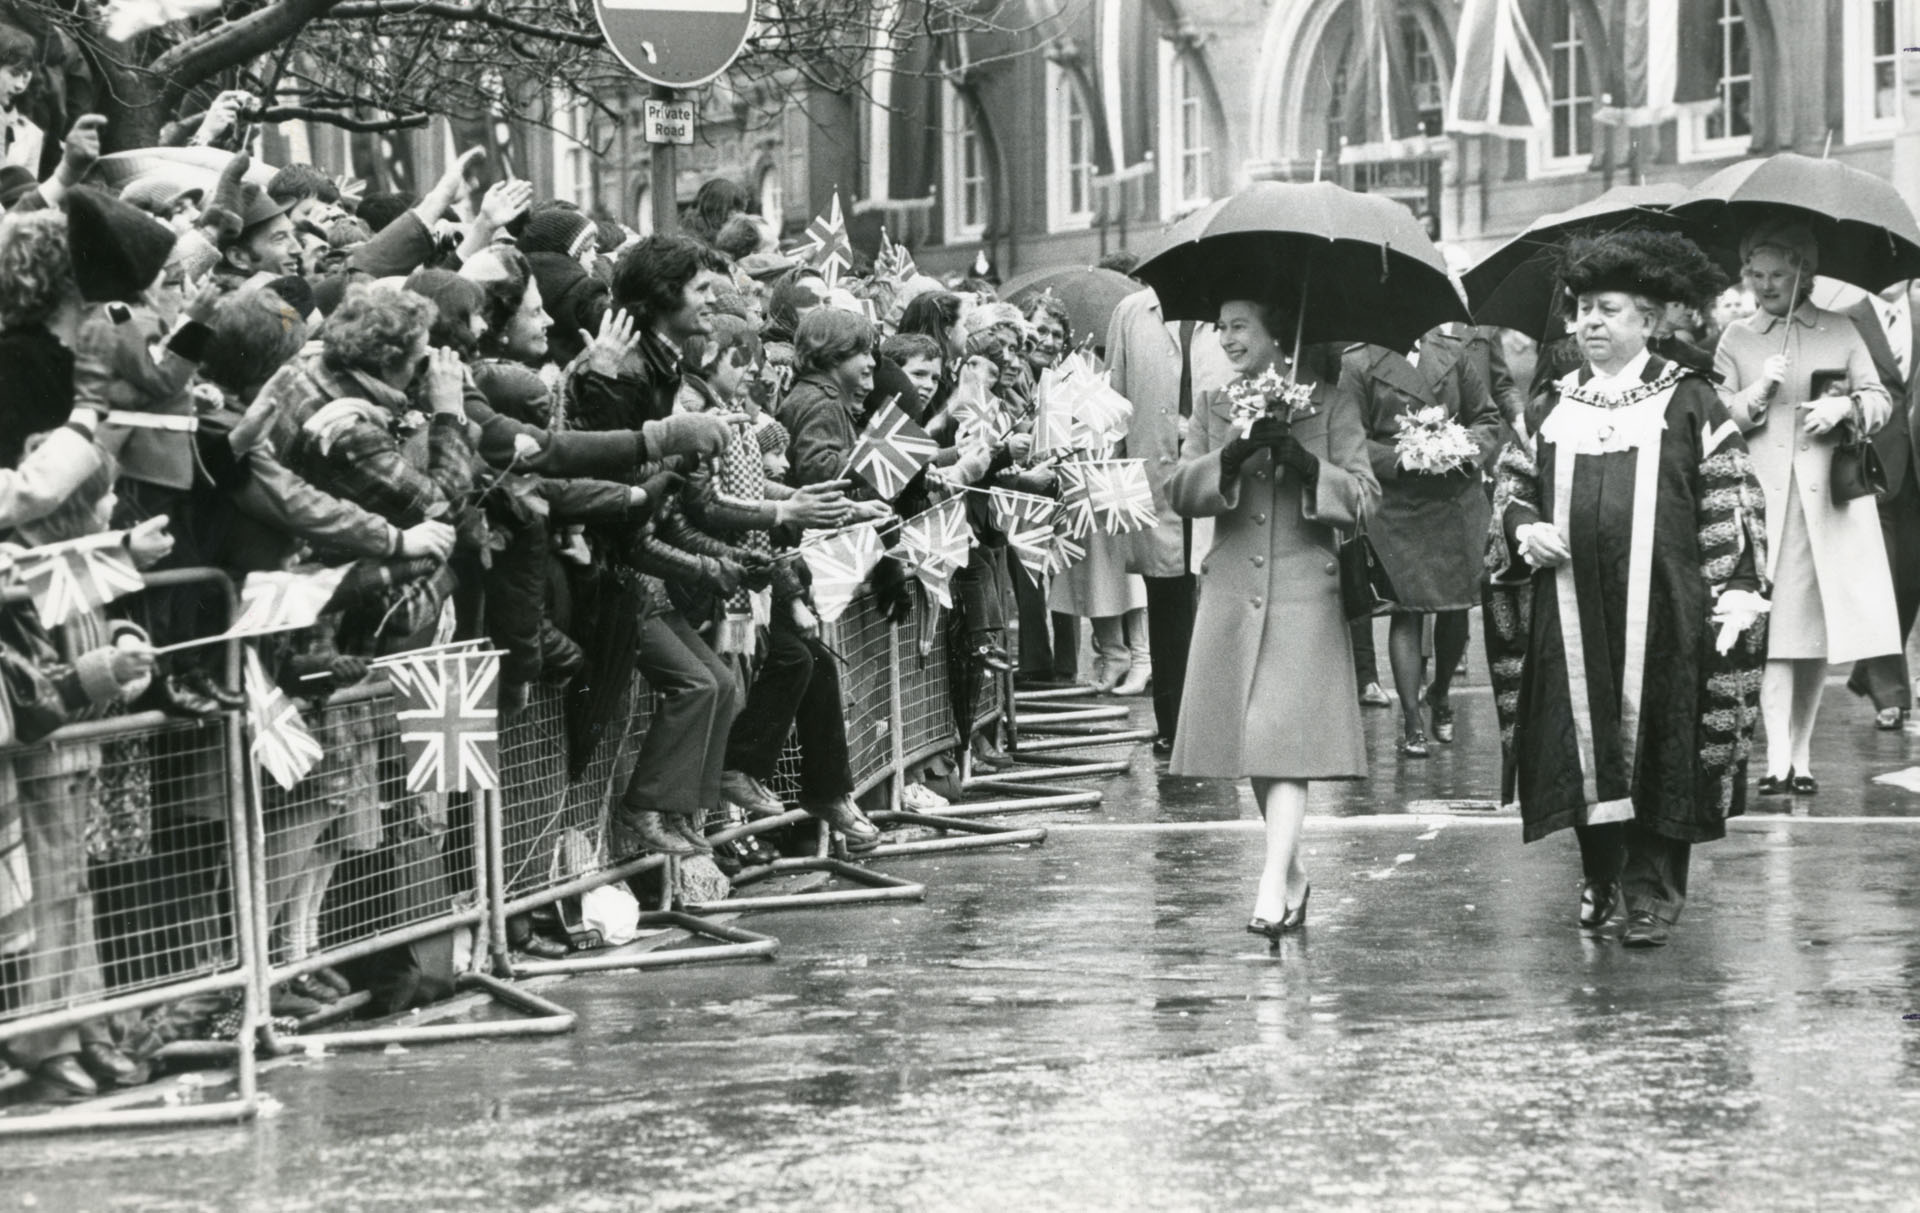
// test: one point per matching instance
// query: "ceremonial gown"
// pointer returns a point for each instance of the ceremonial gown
(1614, 703)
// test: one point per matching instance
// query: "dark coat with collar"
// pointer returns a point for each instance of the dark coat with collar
(1896, 441)
(1429, 530)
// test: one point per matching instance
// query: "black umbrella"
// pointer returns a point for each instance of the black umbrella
(1090, 295)
(1866, 231)
(1341, 266)
(1515, 285)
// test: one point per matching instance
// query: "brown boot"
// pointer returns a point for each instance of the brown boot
(657, 832)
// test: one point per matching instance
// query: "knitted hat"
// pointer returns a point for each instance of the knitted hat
(458, 300)
(158, 194)
(557, 230)
(296, 292)
(772, 437)
(15, 181)
(118, 249)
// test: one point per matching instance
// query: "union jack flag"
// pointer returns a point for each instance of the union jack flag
(281, 743)
(829, 250)
(449, 717)
(893, 261)
(1067, 549)
(934, 545)
(1118, 496)
(892, 451)
(277, 602)
(1076, 503)
(1027, 522)
(840, 562)
(69, 579)
(1052, 414)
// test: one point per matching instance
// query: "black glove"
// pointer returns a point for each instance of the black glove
(1288, 453)
(758, 570)
(661, 485)
(1266, 432)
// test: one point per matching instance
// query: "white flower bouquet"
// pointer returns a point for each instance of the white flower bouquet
(1432, 443)
(1256, 397)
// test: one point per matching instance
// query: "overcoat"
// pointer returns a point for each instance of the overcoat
(1848, 555)
(1429, 530)
(1143, 363)
(1270, 688)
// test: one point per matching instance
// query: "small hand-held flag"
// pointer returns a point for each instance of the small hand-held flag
(449, 716)
(1027, 522)
(892, 451)
(1119, 496)
(280, 601)
(69, 579)
(281, 743)
(894, 260)
(840, 562)
(830, 251)
(934, 544)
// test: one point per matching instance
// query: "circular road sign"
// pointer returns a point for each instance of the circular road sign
(675, 43)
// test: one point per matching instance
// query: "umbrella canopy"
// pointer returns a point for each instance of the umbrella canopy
(1089, 295)
(196, 167)
(1361, 263)
(1866, 231)
(1514, 286)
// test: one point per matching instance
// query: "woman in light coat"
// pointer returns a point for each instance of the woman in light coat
(1832, 591)
(1270, 694)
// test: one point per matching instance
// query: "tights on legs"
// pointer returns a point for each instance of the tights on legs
(1789, 704)
(1410, 667)
(1283, 802)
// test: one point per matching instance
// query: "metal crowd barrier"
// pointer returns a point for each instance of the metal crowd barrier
(124, 906)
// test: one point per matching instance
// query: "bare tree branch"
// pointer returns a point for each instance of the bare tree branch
(458, 12)
(308, 113)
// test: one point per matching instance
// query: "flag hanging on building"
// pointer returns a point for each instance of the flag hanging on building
(840, 562)
(69, 579)
(1378, 115)
(449, 716)
(1501, 82)
(1027, 522)
(282, 744)
(893, 260)
(280, 601)
(1666, 63)
(892, 451)
(828, 249)
(934, 545)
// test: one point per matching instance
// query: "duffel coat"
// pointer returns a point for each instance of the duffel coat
(1270, 688)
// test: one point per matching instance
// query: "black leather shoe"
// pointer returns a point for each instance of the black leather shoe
(657, 834)
(1892, 720)
(1295, 917)
(1598, 900)
(109, 1066)
(846, 817)
(1414, 745)
(1773, 785)
(1644, 931)
(1163, 747)
(1441, 713)
(1268, 930)
(66, 1076)
(1805, 785)
(688, 827)
(540, 947)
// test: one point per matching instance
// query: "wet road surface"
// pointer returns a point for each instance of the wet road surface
(1084, 1025)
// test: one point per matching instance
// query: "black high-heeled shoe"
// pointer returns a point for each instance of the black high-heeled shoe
(1296, 917)
(1271, 931)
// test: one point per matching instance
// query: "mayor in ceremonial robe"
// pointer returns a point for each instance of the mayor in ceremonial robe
(1638, 528)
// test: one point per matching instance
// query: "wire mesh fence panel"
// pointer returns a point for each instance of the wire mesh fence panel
(926, 694)
(116, 873)
(351, 853)
(555, 826)
(864, 641)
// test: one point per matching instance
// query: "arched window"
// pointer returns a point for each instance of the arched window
(967, 180)
(1727, 130)
(1070, 151)
(1186, 154)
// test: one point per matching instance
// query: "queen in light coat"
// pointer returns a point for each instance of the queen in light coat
(1270, 692)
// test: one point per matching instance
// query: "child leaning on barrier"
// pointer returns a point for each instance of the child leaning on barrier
(76, 798)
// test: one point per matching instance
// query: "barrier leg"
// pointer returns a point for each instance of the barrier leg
(958, 834)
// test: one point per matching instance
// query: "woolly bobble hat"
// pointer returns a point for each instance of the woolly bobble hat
(772, 437)
(118, 249)
(458, 301)
(15, 181)
(557, 230)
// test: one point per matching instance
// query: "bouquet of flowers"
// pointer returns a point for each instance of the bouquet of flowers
(1256, 397)
(1431, 442)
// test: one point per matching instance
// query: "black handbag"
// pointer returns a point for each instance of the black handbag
(1365, 588)
(1856, 470)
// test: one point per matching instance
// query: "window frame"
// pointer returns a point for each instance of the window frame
(1543, 161)
(1859, 123)
(959, 123)
(1692, 140)
(1065, 95)
(1177, 66)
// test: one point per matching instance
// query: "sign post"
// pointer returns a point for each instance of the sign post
(673, 45)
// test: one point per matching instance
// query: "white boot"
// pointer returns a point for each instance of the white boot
(1110, 658)
(1141, 673)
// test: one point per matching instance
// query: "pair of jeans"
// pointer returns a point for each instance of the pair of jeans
(797, 691)
(679, 764)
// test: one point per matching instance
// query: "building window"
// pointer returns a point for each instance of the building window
(573, 151)
(1429, 82)
(1070, 160)
(1871, 29)
(1569, 143)
(773, 199)
(1186, 159)
(967, 181)
(1727, 129)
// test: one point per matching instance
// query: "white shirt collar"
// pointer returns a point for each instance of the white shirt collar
(1630, 375)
